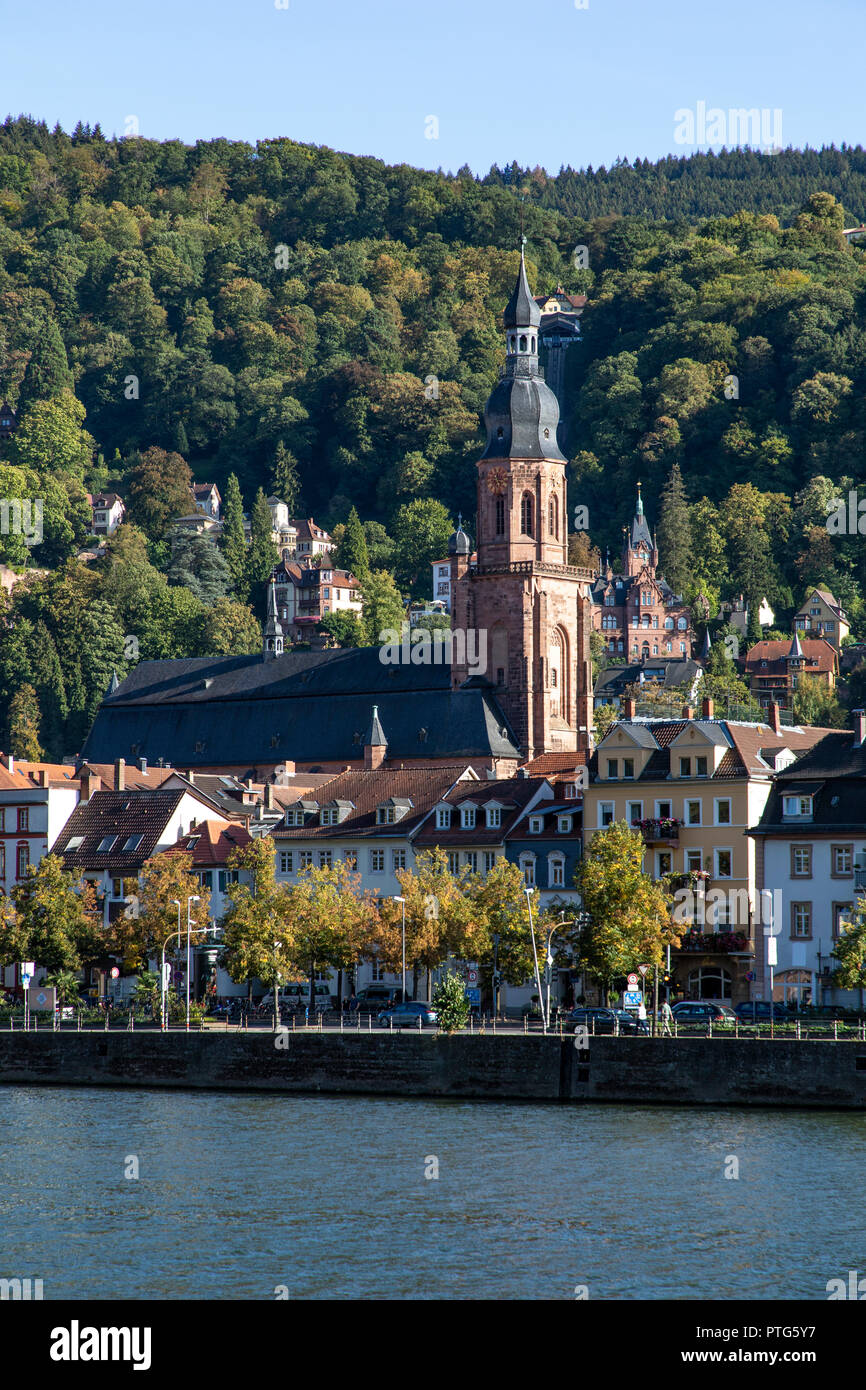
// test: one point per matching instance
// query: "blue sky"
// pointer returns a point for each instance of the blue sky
(542, 82)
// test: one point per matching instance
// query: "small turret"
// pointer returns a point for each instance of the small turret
(273, 640)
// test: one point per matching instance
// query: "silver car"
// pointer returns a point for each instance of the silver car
(413, 1014)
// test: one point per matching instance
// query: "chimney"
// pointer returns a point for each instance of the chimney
(628, 709)
(707, 709)
(859, 727)
(289, 768)
(775, 718)
(90, 782)
(42, 776)
(10, 763)
(269, 796)
(142, 764)
(120, 775)
(688, 711)
(190, 777)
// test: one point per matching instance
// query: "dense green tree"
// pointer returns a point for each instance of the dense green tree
(262, 556)
(285, 479)
(674, 532)
(197, 563)
(384, 609)
(24, 721)
(353, 554)
(233, 539)
(421, 532)
(159, 486)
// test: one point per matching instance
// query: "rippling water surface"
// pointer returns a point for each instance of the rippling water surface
(238, 1194)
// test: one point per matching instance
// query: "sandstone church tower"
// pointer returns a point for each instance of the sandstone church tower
(533, 605)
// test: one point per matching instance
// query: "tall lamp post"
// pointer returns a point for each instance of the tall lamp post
(193, 898)
(495, 974)
(549, 962)
(529, 891)
(403, 901)
(175, 934)
(177, 904)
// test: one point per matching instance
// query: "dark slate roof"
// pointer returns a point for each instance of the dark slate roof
(145, 813)
(416, 788)
(303, 706)
(521, 310)
(522, 407)
(833, 772)
(681, 671)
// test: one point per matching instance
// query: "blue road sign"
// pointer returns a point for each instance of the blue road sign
(633, 998)
(474, 996)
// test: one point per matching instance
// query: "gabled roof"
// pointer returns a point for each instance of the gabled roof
(743, 757)
(210, 843)
(512, 795)
(819, 654)
(419, 788)
(121, 814)
(303, 706)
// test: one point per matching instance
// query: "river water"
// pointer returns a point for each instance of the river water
(238, 1196)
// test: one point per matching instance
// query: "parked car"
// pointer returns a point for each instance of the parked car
(758, 1011)
(407, 1015)
(601, 1020)
(372, 999)
(704, 1012)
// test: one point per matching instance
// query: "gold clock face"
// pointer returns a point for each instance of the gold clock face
(497, 481)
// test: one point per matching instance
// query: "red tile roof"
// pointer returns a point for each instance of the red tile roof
(210, 843)
(819, 654)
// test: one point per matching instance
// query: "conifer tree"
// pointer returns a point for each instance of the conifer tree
(234, 543)
(285, 482)
(674, 533)
(24, 717)
(263, 554)
(353, 548)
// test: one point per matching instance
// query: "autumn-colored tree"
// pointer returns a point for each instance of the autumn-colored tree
(850, 951)
(441, 919)
(163, 878)
(24, 719)
(257, 936)
(56, 921)
(628, 916)
(329, 920)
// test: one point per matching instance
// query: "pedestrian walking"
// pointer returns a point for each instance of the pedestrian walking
(667, 1015)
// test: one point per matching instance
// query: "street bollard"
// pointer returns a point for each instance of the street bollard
(835, 1030)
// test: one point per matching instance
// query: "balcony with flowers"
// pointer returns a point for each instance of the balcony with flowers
(660, 830)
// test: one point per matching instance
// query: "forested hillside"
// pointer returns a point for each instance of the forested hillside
(328, 327)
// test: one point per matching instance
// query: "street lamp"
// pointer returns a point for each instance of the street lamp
(549, 962)
(207, 930)
(495, 974)
(529, 891)
(403, 901)
(277, 978)
(193, 898)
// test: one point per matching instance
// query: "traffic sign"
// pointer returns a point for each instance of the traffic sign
(633, 981)
(473, 995)
(633, 998)
(42, 997)
(472, 977)
(643, 969)
(115, 973)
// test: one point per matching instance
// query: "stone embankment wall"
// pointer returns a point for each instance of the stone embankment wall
(686, 1071)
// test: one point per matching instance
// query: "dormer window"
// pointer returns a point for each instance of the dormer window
(443, 818)
(536, 825)
(494, 817)
(800, 806)
(569, 791)
(700, 767)
(563, 825)
(385, 815)
(467, 817)
(613, 767)
(685, 767)
(330, 816)
(628, 768)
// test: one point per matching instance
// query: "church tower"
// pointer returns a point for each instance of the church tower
(272, 637)
(520, 591)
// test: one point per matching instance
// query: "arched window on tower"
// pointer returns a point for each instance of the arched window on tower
(553, 515)
(500, 516)
(526, 518)
(523, 342)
